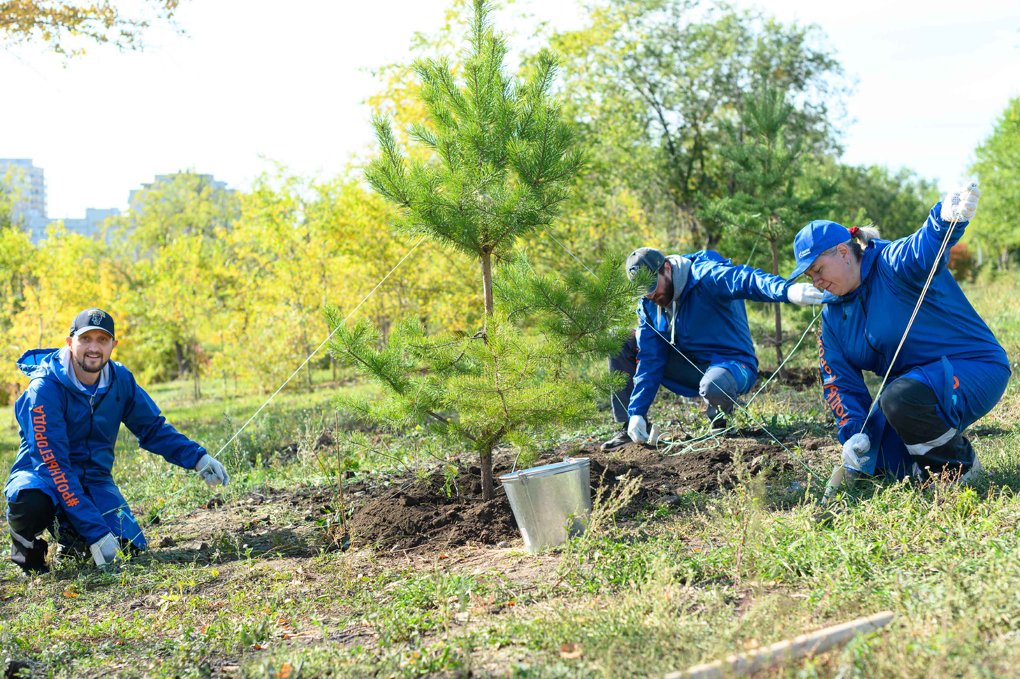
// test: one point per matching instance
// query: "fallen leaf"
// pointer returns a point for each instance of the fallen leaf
(570, 651)
(285, 671)
(258, 647)
(71, 594)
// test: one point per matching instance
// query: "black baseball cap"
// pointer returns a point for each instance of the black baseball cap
(92, 319)
(650, 258)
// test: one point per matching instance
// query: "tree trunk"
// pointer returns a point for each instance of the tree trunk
(487, 282)
(488, 491)
(197, 381)
(308, 365)
(778, 309)
(486, 456)
(182, 362)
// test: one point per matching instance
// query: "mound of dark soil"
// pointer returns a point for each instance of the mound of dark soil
(402, 519)
(420, 513)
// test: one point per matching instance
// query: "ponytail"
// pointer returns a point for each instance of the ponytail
(860, 239)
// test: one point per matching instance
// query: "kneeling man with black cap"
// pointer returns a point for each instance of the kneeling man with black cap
(692, 335)
(69, 417)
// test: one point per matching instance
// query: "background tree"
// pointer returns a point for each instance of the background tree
(656, 83)
(997, 226)
(499, 161)
(64, 26)
(6, 204)
(895, 202)
(175, 265)
(52, 294)
(771, 196)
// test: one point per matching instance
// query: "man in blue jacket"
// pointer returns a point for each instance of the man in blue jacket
(692, 335)
(69, 418)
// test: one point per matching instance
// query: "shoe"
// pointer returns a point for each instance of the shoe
(620, 439)
(32, 560)
(716, 418)
(75, 551)
(976, 472)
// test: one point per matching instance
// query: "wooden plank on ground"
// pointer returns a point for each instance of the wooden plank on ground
(784, 651)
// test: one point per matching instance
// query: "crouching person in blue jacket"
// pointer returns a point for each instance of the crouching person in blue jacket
(692, 335)
(950, 370)
(69, 418)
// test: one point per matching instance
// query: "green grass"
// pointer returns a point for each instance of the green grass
(675, 586)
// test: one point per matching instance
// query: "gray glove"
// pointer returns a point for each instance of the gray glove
(211, 471)
(961, 205)
(855, 446)
(637, 429)
(104, 552)
(803, 294)
(639, 432)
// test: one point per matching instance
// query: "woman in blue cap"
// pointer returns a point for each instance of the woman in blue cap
(950, 370)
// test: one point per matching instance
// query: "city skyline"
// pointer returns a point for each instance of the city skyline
(31, 213)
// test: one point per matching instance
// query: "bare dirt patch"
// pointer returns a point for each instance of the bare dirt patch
(267, 522)
(422, 515)
(402, 516)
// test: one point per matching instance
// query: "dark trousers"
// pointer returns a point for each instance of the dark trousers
(910, 408)
(28, 516)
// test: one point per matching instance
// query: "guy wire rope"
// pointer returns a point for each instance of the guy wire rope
(303, 364)
(689, 447)
(917, 307)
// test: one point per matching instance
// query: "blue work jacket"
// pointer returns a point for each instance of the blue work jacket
(861, 330)
(68, 437)
(707, 323)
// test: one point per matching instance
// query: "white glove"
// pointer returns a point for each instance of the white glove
(961, 204)
(637, 429)
(211, 471)
(854, 447)
(803, 294)
(104, 552)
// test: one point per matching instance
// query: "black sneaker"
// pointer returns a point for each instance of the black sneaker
(31, 561)
(32, 572)
(621, 438)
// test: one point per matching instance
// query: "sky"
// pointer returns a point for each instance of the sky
(238, 93)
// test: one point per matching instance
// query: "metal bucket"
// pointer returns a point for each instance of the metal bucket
(551, 502)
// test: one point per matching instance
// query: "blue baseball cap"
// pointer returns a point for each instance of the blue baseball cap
(814, 239)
